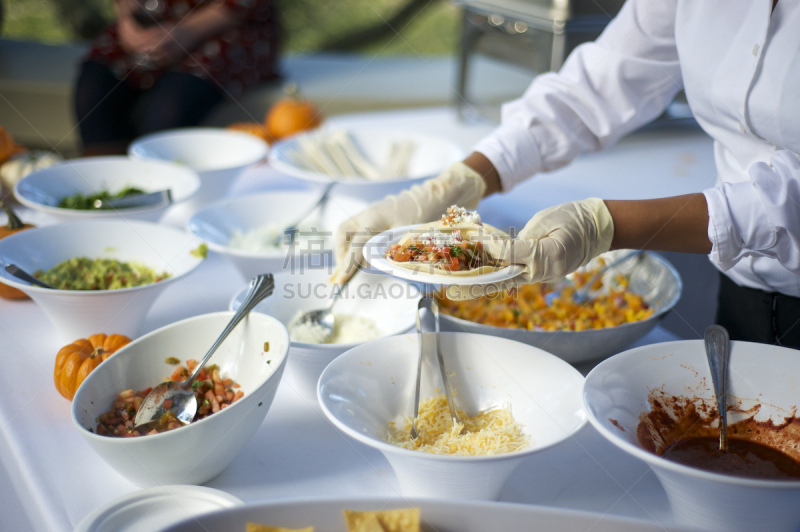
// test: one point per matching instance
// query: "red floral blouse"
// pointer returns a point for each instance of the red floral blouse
(235, 60)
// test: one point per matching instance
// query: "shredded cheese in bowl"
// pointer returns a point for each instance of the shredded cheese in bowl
(487, 433)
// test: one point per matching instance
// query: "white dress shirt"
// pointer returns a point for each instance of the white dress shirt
(739, 63)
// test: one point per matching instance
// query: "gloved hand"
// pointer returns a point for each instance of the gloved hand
(554, 243)
(457, 185)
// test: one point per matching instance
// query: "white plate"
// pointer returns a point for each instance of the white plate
(156, 508)
(377, 246)
(441, 516)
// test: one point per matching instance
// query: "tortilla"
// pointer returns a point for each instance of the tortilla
(469, 232)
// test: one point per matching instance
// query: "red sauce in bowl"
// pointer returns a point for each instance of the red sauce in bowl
(743, 458)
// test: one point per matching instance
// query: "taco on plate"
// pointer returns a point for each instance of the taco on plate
(451, 245)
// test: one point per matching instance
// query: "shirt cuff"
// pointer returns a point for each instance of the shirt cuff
(738, 223)
(514, 153)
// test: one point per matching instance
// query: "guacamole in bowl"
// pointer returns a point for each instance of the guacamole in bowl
(82, 273)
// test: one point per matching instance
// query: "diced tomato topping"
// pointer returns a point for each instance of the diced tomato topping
(452, 266)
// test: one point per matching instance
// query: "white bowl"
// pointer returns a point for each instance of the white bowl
(432, 154)
(391, 303)
(370, 385)
(217, 224)
(616, 394)
(198, 452)
(217, 155)
(78, 313)
(43, 189)
(655, 279)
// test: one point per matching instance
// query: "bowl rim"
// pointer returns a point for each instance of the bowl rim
(25, 287)
(225, 204)
(388, 448)
(138, 142)
(657, 461)
(670, 304)
(296, 172)
(321, 347)
(91, 434)
(88, 214)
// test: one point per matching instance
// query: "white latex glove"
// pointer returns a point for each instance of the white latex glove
(555, 242)
(457, 185)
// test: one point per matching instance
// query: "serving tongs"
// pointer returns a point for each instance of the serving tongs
(429, 303)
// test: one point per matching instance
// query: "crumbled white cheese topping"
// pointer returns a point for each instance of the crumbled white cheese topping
(438, 238)
(459, 215)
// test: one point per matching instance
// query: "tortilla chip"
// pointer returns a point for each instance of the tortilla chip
(362, 521)
(255, 527)
(401, 520)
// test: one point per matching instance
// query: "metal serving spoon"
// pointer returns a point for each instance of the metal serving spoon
(582, 294)
(323, 317)
(183, 403)
(430, 303)
(150, 199)
(718, 349)
(291, 229)
(19, 273)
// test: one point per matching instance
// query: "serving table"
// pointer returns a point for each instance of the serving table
(50, 479)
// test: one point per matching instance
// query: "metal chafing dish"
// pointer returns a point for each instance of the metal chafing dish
(534, 34)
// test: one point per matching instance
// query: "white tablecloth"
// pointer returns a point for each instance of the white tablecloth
(51, 479)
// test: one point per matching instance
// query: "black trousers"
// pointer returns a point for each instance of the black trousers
(110, 110)
(757, 316)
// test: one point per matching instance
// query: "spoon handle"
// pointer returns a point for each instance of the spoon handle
(25, 276)
(322, 199)
(582, 293)
(718, 350)
(415, 413)
(150, 199)
(340, 289)
(260, 288)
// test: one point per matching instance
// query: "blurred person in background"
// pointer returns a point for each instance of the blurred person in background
(166, 63)
(737, 61)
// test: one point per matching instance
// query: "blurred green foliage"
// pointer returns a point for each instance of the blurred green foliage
(308, 24)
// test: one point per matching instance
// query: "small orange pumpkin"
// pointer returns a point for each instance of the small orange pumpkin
(14, 225)
(74, 362)
(7, 146)
(291, 115)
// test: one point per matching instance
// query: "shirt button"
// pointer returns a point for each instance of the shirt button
(755, 51)
(741, 127)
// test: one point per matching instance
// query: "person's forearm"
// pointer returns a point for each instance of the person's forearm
(207, 22)
(478, 162)
(679, 223)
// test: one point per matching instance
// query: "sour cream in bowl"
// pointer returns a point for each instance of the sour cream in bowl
(371, 306)
(245, 230)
